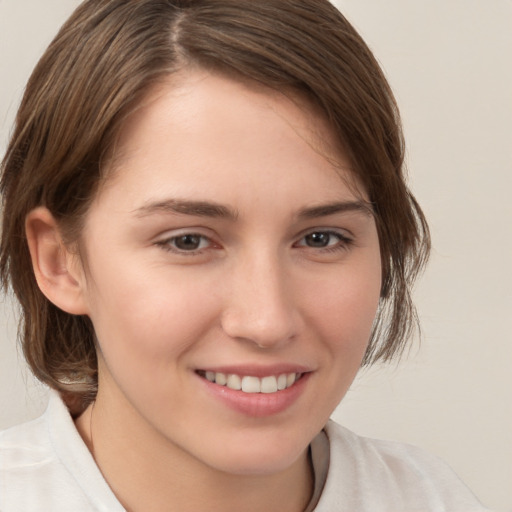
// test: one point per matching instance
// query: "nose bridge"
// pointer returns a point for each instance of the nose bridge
(260, 307)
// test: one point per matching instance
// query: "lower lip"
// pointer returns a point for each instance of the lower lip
(257, 405)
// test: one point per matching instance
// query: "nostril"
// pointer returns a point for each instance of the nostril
(262, 337)
(259, 308)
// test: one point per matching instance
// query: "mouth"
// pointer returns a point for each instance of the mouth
(256, 391)
(251, 384)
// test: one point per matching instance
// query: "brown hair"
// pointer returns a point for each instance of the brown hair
(98, 69)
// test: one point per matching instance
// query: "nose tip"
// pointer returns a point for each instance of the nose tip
(263, 331)
(262, 312)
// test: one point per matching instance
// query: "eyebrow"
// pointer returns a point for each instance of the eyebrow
(215, 210)
(186, 207)
(325, 210)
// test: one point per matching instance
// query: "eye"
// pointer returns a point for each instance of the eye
(320, 239)
(325, 239)
(187, 242)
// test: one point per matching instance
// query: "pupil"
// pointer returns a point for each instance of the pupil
(318, 239)
(188, 242)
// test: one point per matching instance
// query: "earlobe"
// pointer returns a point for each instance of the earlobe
(58, 272)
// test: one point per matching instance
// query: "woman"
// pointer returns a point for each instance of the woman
(208, 230)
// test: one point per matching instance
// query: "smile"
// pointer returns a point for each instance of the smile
(251, 384)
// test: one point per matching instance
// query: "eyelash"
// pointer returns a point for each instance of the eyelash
(166, 244)
(344, 242)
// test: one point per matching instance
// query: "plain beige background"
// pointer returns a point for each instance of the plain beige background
(450, 64)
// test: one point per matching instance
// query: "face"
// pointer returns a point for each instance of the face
(227, 251)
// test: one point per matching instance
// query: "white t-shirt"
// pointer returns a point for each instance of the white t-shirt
(46, 467)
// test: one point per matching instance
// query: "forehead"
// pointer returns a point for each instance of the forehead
(210, 124)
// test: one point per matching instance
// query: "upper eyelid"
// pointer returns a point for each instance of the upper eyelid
(342, 238)
(167, 243)
(191, 233)
(168, 234)
(342, 232)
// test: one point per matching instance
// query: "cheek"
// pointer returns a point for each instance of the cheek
(147, 324)
(345, 302)
(343, 315)
(149, 315)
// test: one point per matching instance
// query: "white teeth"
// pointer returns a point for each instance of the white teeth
(234, 382)
(250, 384)
(281, 382)
(269, 384)
(220, 379)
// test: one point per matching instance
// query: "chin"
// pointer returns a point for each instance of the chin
(257, 458)
(245, 466)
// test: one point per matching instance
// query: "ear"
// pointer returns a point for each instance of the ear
(58, 272)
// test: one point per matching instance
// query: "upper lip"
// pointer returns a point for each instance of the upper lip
(255, 370)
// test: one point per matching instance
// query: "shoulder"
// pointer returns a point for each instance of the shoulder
(44, 465)
(371, 453)
(386, 476)
(28, 466)
(25, 444)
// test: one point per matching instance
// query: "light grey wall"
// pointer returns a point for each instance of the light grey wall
(449, 62)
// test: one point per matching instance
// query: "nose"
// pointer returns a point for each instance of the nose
(260, 306)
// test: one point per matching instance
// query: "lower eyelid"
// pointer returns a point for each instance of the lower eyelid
(341, 237)
(169, 242)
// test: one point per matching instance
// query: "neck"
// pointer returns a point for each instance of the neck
(154, 475)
